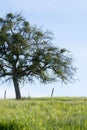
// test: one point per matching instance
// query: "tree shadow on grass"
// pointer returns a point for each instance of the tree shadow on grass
(8, 126)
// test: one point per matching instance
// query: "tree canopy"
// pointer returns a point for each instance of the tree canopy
(27, 52)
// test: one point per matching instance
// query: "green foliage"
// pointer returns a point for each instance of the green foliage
(44, 114)
(26, 52)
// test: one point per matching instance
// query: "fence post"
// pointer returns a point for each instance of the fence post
(5, 94)
(52, 92)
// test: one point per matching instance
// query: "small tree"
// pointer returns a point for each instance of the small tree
(26, 52)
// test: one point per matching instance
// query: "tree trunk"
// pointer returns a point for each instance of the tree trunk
(16, 86)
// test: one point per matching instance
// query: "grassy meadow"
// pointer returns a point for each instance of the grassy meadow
(44, 114)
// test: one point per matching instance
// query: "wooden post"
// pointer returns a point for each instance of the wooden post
(5, 94)
(52, 92)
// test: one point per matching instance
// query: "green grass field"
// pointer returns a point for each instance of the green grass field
(44, 114)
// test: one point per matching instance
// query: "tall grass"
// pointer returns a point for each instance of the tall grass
(44, 114)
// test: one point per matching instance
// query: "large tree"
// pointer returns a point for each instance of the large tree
(26, 52)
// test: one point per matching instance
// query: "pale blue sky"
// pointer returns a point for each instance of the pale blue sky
(67, 19)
